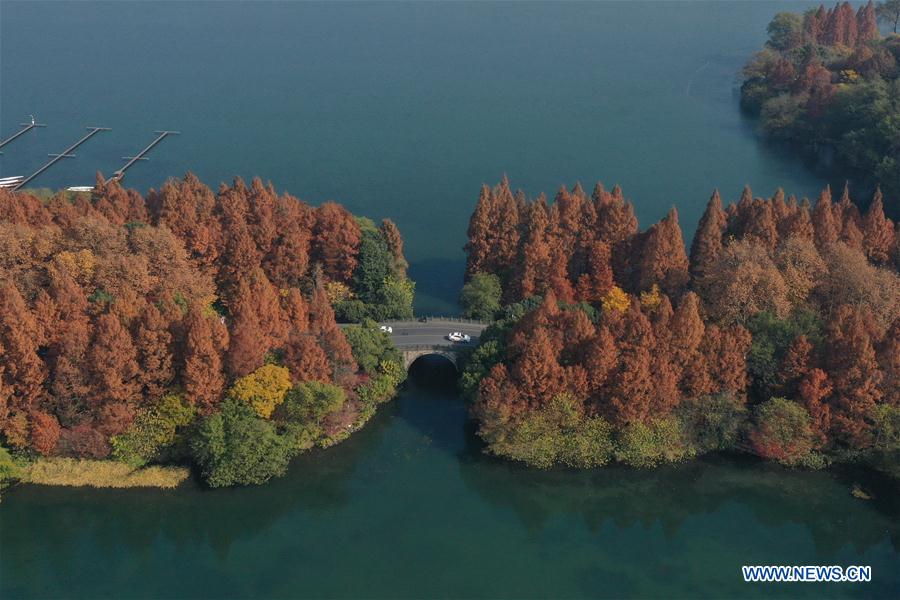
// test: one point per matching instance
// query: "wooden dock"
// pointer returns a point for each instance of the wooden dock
(118, 175)
(92, 131)
(26, 128)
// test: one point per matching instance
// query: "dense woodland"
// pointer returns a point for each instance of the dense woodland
(192, 325)
(779, 333)
(829, 83)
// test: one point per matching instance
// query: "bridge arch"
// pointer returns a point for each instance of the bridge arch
(410, 356)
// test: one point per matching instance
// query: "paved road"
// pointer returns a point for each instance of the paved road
(408, 334)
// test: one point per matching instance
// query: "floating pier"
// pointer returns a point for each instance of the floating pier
(92, 131)
(118, 175)
(26, 128)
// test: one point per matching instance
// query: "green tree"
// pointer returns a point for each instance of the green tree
(375, 264)
(370, 346)
(237, 447)
(785, 31)
(480, 296)
(395, 299)
(889, 13)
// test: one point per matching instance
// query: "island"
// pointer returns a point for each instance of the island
(827, 83)
(188, 329)
(778, 335)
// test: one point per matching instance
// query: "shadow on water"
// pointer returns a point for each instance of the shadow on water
(671, 496)
(438, 281)
(317, 482)
(432, 405)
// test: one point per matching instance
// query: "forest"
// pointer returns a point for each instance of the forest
(191, 326)
(828, 83)
(777, 334)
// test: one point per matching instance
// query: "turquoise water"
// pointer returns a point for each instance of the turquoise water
(403, 110)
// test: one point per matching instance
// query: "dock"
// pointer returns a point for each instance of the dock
(67, 153)
(118, 175)
(26, 127)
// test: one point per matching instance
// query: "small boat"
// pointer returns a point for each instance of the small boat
(80, 188)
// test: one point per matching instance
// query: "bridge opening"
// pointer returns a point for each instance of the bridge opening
(433, 371)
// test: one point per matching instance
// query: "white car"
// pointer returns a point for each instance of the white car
(458, 336)
(387, 329)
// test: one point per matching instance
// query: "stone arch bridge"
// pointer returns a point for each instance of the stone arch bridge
(428, 336)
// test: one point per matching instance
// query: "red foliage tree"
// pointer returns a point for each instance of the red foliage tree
(814, 390)
(877, 232)
(706, 248)
(330, 336)
(248, 342)
(335, 241)
(24, 371)
(598, 277)
(826, 230)
(855, 375)
(45, 432)
(663, 260)
(867, 23)
(153, 341)
(305, 358)
(537, 371)
(114, 374)
(202, 374)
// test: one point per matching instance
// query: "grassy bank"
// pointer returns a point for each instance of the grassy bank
(101, 474)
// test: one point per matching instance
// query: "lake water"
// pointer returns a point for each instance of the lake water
(403, 111)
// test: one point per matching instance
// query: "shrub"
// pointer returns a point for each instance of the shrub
(712, 422)
(152, 431)
(559, 434)
(590, 445)
(304, 410)
(263, 389)
(378, 389)
(782, 431)
(647, 445)
(9, 470)
(886, 449)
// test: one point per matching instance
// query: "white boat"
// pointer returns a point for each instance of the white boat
(80, 188)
